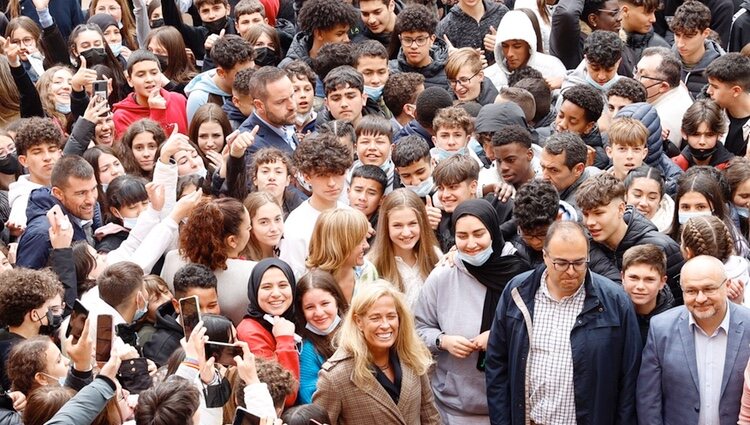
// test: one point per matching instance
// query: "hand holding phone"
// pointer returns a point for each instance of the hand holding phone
(77, 321)
(190, 314)
(103, 337)
(223, 353)
(243, 417)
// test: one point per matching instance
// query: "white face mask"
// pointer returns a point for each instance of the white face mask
(683, 217)
(129, 222)
(423, 189)
(325, 332)
(201, 173)
(476, 259)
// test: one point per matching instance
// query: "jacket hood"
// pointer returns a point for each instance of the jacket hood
(713, 51)
(646, 114)
(40, 201)
(439, 55)
(166, 318)
(204, 82)
(495, 115)
(515, 25)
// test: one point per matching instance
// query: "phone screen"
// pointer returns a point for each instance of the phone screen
(223, 353)
(190, 314)
(100, 88)
(243, 417)
(103, 337)
(77, 321)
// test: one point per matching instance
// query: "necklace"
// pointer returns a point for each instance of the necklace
(386, 367)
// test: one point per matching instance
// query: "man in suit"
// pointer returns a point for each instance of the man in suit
(695, 355)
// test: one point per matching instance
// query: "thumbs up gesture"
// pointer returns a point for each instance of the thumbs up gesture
(211, 40)
(83, 77)
(489, 40)
(433, 213)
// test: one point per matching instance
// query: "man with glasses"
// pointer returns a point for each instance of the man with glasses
(694, 358)
(565, 345)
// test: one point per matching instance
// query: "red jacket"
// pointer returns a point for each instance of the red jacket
(128, 111)
(263, 344)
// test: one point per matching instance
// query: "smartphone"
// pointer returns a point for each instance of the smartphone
(101, 89)
(190, 314)
(103, 337)
(77, 321)
(223, 353)
(243, 417)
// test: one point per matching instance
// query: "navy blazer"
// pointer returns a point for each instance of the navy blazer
(667, 391)
(266, 137)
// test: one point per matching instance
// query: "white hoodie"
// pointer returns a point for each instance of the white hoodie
(515, 25)
(18, 198)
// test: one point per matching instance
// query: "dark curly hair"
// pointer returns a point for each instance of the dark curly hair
(603, 48)
(36, 131)
(415, 18)
(322, 154)
(331, 56)
(536, 205)
(599, 191)
(26, 359)
(628, 88)
(173, 401)
(508, 134)
(325, 14)
(193, 276)
(280, 382)
(401, 89)
(299, 70)
(569, 144)
(23, 290)
(203, 237)
(523, 72)
(586, 97)
(690, 18)
(231, 50)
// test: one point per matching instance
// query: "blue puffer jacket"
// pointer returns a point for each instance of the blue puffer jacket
(656, 157)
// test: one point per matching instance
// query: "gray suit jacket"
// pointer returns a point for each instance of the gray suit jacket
(667, 390)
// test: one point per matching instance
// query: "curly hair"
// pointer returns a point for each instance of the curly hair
(401, 89)
(325, 14)
(36, 131)
(26, 359)
(280, 382)
(586, 97)
(168, 402)
(508, 134)
(193, 276)
(522, 73)
(203, 237)
(330, 57)
(453, 118)
(24, 290)
(603, 48)
(628, 88)
(415, 18)
(536, 205)
(231, 50)
(300, 70)
(322, 155)
(599, 191)
(707, 235)
(690, 18)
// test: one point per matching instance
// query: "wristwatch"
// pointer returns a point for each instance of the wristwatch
(438, 341)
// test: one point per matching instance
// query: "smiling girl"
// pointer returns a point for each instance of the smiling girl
(267, 221)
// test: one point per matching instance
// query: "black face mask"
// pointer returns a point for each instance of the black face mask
(217, 395)
(53, 324)
(702, 154)
(266, 56)
(163, 61)
(216, 26)
(156, 23)
(95, 56)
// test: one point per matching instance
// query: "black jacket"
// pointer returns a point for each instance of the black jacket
(640, 231)
(567, 34)
(594, 139)
(664, 301)
(8, 340)
(194, 36)
(413, 128)
(464, 31)
(299, 50)
(634, 47)
(487, 93)
(694, 78)
(739, 32)
(532, 257)
(434, 72)
(167, 337)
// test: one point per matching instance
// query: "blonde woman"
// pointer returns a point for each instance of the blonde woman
(407, 250)
(378, 375)
(338, 246)
(267, 226)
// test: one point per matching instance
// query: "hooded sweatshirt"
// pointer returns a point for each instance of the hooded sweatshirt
(199, 89)
(18, 198)
(464, 31)
(128, 111)
(693, 77)
(434, 72)
(298, 50)
(515, 25)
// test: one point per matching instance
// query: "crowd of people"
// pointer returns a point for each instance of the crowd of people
(374, 212)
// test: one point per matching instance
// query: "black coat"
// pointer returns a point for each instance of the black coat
(167, 337)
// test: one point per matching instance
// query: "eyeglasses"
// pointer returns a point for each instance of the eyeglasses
(709, 292)
(26, 41)
(615, 13)
(638, 76)
(463, 80)
(538, 236)
(563, 265)
(408, 41)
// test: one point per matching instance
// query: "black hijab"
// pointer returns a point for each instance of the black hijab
(253, 309)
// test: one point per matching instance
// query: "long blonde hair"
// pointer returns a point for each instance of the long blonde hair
(409, 347)
(336, 234)
(382, 254)
(48, 103)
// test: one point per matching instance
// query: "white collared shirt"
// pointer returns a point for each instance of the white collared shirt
(710, 353)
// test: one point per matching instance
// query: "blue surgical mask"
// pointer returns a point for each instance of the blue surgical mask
(477, 259)
(423, 189)
(325, 332)
(116, 48)
(129, 222)
(139, 313)
(683, 217)
(374, 93)
(60, 381)
(603, 87)
(744, 212)
(440, 154)
(63, 108)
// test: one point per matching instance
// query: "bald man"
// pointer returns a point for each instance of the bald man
(695, 355)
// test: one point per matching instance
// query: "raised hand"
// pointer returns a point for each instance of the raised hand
(489, 40)
(282, 327)
(97, 107)
(155, 100)
(433, 213)
(155, 195)
(185, 205)
(60, 230)
(242, 141)
(80, 352)
(83, 77)
(211, 40)
(12, 51)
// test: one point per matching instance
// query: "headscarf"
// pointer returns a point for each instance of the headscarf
(253, 308)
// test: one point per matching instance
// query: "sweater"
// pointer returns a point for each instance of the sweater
(310, 363)
(464, 31)
(128, 111)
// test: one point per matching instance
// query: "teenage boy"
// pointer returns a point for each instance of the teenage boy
(231, 54)
(702, 126)
(345, 97)
(453, 129)
(614, 228)
(214, 16)
(466, 24)
(241, 105)
(379, 17)
(373, 147)
(535, 208)
(627, 146)
(395, 92)
(320, 22)
(190, 280)
(579, 112)
(370, 59)
(638, 17)
(729, 86)
(573, 21)
(303, 81)
(271, 171)
(544, 114)
(690, 25)
(323, 161)
(248, 13)
(38, 146)
(420, 50)
(366, 191)
(511, 146)
(411, 158)
(429, 102)
(563, 162)
(602, 54)
(644, 278)
(623, 92)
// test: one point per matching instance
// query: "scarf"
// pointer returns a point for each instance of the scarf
(253, 308)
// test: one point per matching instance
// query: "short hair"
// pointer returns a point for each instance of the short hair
(199, 3)
(322, 154)
(270, 155)
(523, 73)
(261, 78)
(731, 68)
(371, 172)
(453, 117)
(279, 381)
(513, 133)
(704, 111)
(603, 48)
(670, 68)
(36, 131)
(591, 7)
(409, 150)
(565, 226)
(325, 14)
(648, 5)
(628, 88)
(627, 131)
(401, 89)
(193, 276)
(24, 290)
(173, 401)
(119, 282)
(331, 56)
(141, 55)
(248, 7)
(523, 98)
(461, 57)
(598, 191)
(569, 144)
(340, 129)
(374, 125)
(536, 204)
(368, 48)
(542, 95)
(230, 50)
(241, 83)
(646, 254)
(70, 166)
(415, 18)
(429, 102)
(586, 97)
(342, 77)
(456, 169)
(690, 18)
(299, 69)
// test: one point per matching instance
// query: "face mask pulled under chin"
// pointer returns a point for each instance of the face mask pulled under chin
(476, 259)
(423, 189)
(216, 26)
